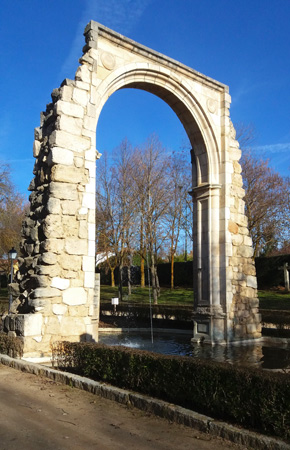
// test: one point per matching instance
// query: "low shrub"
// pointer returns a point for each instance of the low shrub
(138, 315)
(248, 397)
(11, 346)
(281, 319)
(142, 312)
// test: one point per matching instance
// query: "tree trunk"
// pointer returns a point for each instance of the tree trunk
(121, 282)
(112, 277)
(129, 278)
(172, 271)
(154, 280)
(153, 283)
(157, 283)
(142, 271)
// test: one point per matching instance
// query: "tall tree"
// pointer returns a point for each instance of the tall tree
(175, 217)
(12, 212)
(106, 214)
(115, 209)
(267, 203)
(267, 198)
(152, 194)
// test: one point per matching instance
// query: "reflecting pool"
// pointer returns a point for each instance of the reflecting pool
(263, 355)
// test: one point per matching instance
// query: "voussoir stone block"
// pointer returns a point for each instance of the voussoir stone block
(59, 309)
(245, 251)
(80, 96)
(70, 109)
(53, 245)
(71, 262)
(45, 293)
(36, 148)
(48, 258)
(60, 155)
(53, 206)
(75, 296)
(73, 326)
(68, 141)
(233, 227)
(74, 246)
(52, 226)
(63, 191)
(29, 324)
(60, 283)
(68, 174)
(70, 124)
(70, 207)
(252, 281)
(83, 74)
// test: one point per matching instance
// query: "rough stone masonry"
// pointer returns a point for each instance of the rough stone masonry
(56, 279)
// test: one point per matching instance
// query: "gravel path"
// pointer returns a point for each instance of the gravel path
(40, 414)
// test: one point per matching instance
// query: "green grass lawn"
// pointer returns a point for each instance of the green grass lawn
(279, 300)
(178, 296)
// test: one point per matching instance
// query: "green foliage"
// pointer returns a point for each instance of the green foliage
(11, 346)
(248, 397)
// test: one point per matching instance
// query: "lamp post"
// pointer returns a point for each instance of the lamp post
(12, 254)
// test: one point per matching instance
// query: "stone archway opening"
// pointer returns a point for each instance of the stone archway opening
(57, 270)
(160, 125)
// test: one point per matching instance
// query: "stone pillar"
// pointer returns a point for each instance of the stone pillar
(57, 270)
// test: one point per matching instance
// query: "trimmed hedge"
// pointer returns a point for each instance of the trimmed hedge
(183, 274)
(248, 397)
(267, 268)
(139, 315)
(11, 346)
(280, 319)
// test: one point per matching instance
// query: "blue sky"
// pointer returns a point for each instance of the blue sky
(242, 43)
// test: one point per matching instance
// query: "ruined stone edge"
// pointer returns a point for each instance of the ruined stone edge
(145, 403)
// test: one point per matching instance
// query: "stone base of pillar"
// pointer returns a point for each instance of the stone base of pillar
(38, 335)
(209, 326)
(212, 326)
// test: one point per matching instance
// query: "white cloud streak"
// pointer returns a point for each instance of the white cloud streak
(119, 15)
(273, 149)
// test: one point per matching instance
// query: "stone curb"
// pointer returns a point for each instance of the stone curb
(160, 408)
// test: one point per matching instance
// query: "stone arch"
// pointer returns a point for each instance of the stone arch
(57, 272)
(179, 97)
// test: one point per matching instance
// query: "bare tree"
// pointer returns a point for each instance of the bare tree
(122, 172)
(106, 227)
(175, 217)
(12, 212)
(152, 194)
(6, 186)
(267, 203)
(267, 199)
(115, 209)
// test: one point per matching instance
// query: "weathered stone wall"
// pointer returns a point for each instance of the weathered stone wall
(244, 313)
(57, 268)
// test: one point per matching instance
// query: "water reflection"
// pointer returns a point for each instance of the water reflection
(258, 355)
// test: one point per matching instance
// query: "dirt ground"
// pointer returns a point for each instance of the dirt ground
(39, 414)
